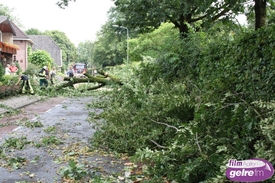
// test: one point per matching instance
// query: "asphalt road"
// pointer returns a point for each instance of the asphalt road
(62, 134)
(10, 120)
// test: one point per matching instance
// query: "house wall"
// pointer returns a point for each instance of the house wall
(21, 55)
(7, 37)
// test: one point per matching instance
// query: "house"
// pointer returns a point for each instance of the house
(43, 42)
(23, 41)
(14, 45)
(8, 50)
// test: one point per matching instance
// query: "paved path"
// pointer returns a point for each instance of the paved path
(17, 102)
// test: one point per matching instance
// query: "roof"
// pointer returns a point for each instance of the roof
(79, 64)
(43, 42)
(20, 35)
(5, 25)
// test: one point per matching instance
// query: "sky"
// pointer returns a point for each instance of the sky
(80, 21)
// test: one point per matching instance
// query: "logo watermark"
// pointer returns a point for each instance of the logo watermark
(252, 170)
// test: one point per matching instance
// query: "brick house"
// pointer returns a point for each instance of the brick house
(13, 44)
(43, 42)
(7, 49)
(23, 41)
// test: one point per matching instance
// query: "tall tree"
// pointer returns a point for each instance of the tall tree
(260, 13)
(110, 47)
(84, 51)
(34, 31)
(6, 11)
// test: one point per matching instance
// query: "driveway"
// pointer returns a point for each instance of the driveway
(51, 142)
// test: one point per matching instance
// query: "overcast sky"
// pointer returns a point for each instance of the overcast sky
(80, 21)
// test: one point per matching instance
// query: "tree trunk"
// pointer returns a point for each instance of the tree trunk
(183, 27)
(260, 13)
(103, 79)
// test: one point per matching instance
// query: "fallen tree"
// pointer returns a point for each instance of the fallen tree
(102, 79)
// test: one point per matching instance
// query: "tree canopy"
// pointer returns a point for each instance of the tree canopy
(40, 58)
(84, 51)
(33, 31)
(110, 47)
(6, 11)
(63, 3)
(147, 15)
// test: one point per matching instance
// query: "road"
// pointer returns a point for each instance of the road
(38, 143)
(12, 121)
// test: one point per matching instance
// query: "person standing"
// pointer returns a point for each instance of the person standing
(52, 75)
(70, 72)
(26, 84)
(13, 69)
(43, 76)
(7, 70)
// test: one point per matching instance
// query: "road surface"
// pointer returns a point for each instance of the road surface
(38, 143)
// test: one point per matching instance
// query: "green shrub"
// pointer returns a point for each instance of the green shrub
(32, 69)
(40, 58)
(9, 80)
(2, 72)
